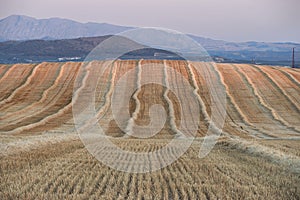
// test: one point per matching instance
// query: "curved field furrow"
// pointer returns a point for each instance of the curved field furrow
(263, 117)
(204, 94)
(292, 118)
(45, 97)
(24, 101)
(58, 105)
(136, 111)
(152, 94)
(196, 93)
(185, 103)
(261, 100)
(54, 93)
(6, 102)
(202, 83)
(242, 118)
(60, 110)
(14, 78)
(287, 87)
(242, 94)
(218, 91)
(3, 70)
(291, 77)
(234, 124)
(105, 116)
(205, 76)
(203, 108)
(271, 98)
(295, 73)
(171, 112)
(104, 88)
(187, 113)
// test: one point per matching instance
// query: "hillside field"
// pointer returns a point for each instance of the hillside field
(42, 156)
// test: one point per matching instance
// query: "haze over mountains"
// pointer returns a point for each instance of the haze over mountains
(17, 27)
(44, 31)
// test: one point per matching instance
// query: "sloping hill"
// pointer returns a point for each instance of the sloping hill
(42, 156)
(262, 101)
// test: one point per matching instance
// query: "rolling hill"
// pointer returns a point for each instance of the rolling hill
(260, 98)
(42, 156)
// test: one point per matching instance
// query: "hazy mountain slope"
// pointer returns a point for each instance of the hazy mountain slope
(17, 27)
(27, 28)
(78, 49)
(221, 45)
(259, 52)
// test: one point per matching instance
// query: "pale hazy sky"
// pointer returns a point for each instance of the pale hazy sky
(232, 20)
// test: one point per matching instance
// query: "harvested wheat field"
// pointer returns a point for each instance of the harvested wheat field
(257, 155)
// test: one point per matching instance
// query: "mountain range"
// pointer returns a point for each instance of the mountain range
(19, 27)
(23, 38)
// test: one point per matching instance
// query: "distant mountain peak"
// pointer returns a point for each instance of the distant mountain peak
(21, 27)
